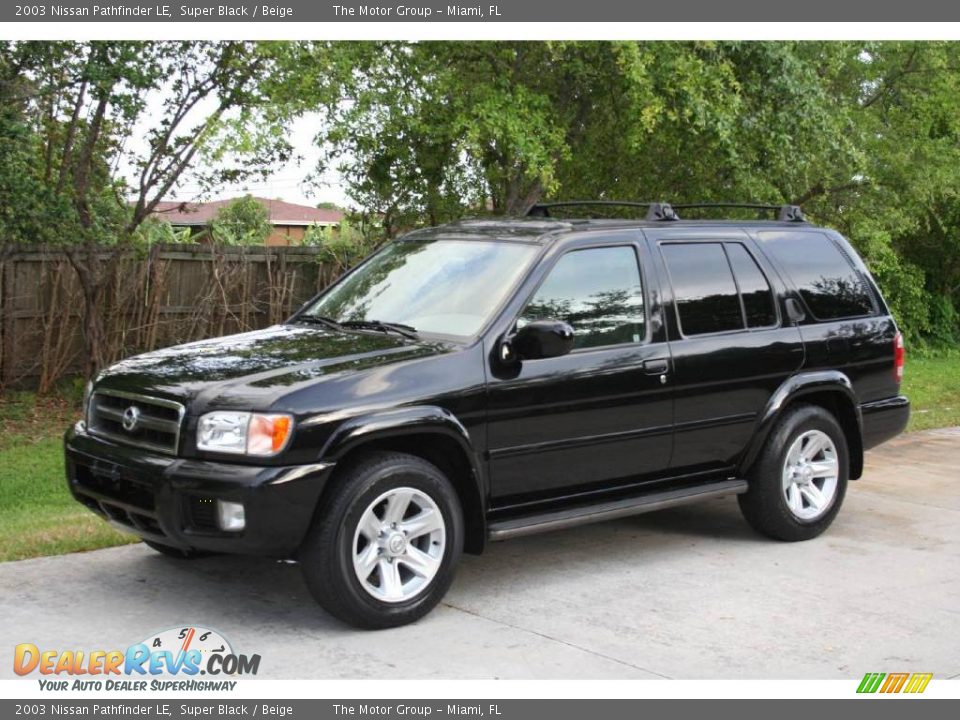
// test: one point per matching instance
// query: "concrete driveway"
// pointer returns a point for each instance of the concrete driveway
(685, 593)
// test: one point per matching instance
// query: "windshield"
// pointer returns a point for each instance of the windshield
(447, 287)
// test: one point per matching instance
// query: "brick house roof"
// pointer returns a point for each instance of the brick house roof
(281, 213)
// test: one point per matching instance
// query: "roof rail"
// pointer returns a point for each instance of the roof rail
(785, 213)
(655, 211)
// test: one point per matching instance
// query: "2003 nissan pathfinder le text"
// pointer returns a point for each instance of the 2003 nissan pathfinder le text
(492, 378)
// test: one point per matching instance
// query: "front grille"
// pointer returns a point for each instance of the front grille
(115, 487)
(131, 419)
(117, 497)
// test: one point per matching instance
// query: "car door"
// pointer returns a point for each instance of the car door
(730, 344)
(601, 414)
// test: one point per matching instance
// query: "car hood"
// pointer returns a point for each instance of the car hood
(253, 369)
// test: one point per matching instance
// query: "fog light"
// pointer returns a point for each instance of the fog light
(230, 516)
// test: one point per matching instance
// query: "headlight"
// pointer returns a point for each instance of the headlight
(243, 433)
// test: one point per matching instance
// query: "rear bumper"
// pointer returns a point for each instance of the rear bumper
(172, 500)
(884, 419)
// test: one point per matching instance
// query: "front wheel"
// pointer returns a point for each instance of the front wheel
(798, 483)
(384, 550)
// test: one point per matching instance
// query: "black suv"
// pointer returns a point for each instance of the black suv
(493, 378)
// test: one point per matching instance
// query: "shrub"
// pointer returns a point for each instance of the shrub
(242, 222)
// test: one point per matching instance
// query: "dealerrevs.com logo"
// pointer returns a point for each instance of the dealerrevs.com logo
(173, 659)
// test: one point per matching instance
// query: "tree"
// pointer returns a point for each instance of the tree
(75, 115)
(862, 134)
(429, 130)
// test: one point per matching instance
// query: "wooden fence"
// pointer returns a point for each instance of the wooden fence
(171, 294)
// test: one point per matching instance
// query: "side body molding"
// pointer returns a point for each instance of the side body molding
(821, 382)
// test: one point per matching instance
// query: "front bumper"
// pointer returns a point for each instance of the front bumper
(884, 419)
(171, 500)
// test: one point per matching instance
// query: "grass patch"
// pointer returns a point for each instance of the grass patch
(933, 386)
(38, 516)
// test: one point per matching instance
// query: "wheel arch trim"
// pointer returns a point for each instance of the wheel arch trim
(397, 423)
(400, 421)
(804, 385)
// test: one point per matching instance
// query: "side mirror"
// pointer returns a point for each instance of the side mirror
(540, 339)
(795, 313)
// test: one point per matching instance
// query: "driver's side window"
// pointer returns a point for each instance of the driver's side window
(598, 291)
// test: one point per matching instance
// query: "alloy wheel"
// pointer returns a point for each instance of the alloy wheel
(398, 545)
(810, 474)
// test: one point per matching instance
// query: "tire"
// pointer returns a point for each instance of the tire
(355, 525)
(780, 502)
(177, 553)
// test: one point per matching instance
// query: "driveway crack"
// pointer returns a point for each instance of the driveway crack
(551, 638)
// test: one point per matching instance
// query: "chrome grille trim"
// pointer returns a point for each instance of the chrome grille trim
(99, 412)
(169, 426)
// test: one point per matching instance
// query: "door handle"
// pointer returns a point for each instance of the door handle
(655, 367)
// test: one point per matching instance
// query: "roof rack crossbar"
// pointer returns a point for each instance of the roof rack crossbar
(666, 211)
(785, 213)
(655, 211)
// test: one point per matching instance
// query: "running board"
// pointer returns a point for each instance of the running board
(610, 510)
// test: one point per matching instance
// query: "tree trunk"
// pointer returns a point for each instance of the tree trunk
(519, 198)
(94, 337)
(91, 278)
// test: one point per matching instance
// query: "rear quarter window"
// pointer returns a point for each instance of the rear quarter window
(703, 287)
(755, 291)
(829, 284)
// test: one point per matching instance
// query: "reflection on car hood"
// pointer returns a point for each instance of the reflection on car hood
(260, 364)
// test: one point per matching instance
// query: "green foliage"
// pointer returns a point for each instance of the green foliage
(343, 246)
(74, 114)
(865, 135)
(242, 222)
(154, 231)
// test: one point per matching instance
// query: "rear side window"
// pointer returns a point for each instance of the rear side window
(829, 284)
(703, 288)
(598, 292)
(754, 288)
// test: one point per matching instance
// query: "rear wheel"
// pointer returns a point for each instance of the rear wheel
(384, 550)
(799, 481)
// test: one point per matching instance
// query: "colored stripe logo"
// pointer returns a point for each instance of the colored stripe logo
(894, 683)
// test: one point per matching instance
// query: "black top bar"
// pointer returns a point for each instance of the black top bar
(665, 211)
(655, 211)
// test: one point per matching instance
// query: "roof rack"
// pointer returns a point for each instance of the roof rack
(666, 211)
(785, 213)
(655, 211)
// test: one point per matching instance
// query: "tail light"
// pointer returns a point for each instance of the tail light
(898, 357)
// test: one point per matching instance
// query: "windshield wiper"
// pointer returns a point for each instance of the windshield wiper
(406, 330)
(321, 320)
